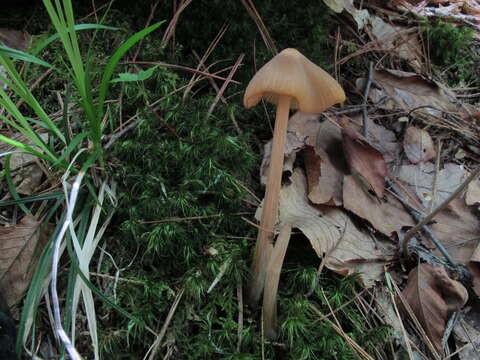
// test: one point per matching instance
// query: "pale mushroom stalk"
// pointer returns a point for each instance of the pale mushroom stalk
(263, 248)
(271, 281)
(287, 80)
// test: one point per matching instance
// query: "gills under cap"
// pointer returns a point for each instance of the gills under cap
(290, 73)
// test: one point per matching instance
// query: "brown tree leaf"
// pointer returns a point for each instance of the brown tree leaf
(418, 145)
(293, 144)
(332, 233)
(467, 333)
(325, 165)
(420, 178)
(18, 244)
(386, 216)
(432, 295)
(406, 91)
(15, 39)
(472, 196)
(364, 160)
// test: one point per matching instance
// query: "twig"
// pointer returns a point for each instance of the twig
(439, 208)
(122, 132)
(156, 345)
(225, 84)
(365, 99)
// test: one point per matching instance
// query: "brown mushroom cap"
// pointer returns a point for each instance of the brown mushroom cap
(290, 73)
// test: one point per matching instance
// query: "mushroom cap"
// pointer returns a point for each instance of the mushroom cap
(290, 73)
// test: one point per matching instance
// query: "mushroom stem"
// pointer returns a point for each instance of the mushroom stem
(264, 246)
(271, 281)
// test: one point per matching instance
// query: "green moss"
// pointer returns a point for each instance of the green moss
(452, 51)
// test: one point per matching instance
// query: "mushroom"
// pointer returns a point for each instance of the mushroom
(289, 80)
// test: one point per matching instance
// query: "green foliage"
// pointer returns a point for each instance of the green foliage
(450, 49)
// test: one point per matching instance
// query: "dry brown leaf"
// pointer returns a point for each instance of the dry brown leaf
(432, 295)
(407, 91)
(418, 145)
(420, 178)
(400, 40)
(306, 125)
(364, 160)
(472, 196)
(293, 144)
(360, 16)
(332, 232)
(467, 333)
(18, 244)
(15, 39)
(386, 216)
(380, 138)
(325, 165)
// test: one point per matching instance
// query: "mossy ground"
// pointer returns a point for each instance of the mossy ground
(184, 181)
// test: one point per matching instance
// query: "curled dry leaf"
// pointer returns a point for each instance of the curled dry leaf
(364, 160)
(18, 245)
(432, 295)
(418, 145)
(332, 233)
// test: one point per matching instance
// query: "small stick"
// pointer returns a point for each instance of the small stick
(156, 345)
(365, 99)
(435, 176)
(439, 208)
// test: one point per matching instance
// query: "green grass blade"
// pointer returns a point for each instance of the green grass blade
(26, 148)
(25, 200)
(114, 60)
(21, 55)
(78, 27)
(72, 146)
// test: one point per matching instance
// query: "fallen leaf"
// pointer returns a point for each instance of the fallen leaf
(364, 160)
(325, 165)
(432, 295)
(15, 39)
(380, 138)
(472, 196)
(332, 233)
(360, 16)
(18, 246)
(418, 145)
(306, 125)
(407, 91)
(420, 178)
(385, 216)
(467, 333)
(400, 40)
(293, 144)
